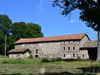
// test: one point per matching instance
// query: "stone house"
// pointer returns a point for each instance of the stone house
(65, 47)
(19, 53)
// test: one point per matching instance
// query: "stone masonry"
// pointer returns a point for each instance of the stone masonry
(65, 49)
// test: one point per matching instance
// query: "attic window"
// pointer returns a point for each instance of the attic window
(68, 41)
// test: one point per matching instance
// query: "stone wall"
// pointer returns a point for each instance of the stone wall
(83, 54)
(20, 55)
(58, 49)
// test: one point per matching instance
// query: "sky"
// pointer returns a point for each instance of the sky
(41, 12)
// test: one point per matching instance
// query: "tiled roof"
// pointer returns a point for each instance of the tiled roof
(55, 38)
(90, 44)
(17, 50)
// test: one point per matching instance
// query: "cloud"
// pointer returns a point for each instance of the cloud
(72, 21)
(41, 9)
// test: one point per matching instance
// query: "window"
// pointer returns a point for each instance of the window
(73, 55)
(64, 48)
(36, 51)
(45, 56)
(53, 55)
(83, 55)
(68, 48)
(73, 48)
(68, 41)
(64, 55)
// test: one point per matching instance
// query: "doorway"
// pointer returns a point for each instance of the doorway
(36, 56)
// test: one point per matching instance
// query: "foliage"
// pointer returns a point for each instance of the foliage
(45, 60)
(31, 56)
(5, 23)
(1, 56)
(90, 10)
(23, 30)
(51, 59)
(16, 31)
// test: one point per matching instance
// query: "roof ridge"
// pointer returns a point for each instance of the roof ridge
(53, 36)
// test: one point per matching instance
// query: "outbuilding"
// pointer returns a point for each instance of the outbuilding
(19, 53)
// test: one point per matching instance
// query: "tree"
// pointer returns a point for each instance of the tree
(23, 30)
(31, 29)
(16, 31)
(5, 24)
(89, 12)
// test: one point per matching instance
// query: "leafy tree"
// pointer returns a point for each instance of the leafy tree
(22, 30)
(16, 31)
(31, 29)
(5, 24)
(2, 43)
(89, 12)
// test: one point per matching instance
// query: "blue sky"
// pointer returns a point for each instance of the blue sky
(49, 18)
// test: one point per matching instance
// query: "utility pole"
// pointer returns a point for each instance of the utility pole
(5, 43)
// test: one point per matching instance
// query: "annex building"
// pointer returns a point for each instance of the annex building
(65, 47)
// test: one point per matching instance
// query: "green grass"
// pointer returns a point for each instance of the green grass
(58, 66)
(1, 56)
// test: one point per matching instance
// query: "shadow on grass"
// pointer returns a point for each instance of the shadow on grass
(86, 71)
(17, 74)
(66, 60)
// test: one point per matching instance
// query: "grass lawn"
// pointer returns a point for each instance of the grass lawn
(52, 67)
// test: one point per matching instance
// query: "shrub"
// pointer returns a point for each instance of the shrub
(31, 56)
(79, 58)
(45, 60)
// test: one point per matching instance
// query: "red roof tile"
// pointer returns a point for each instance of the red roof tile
(55, 38)
(17, 50)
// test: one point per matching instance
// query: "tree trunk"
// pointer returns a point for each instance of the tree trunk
(98, 47)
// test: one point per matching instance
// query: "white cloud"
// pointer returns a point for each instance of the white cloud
(72, 21)
(41, 9)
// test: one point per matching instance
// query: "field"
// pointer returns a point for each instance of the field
(52, 67)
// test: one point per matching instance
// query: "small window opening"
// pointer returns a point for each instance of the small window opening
(36, 51)
(73, 48)
(68, 48)
(83, 55)
(64, 55)
(73, 55)
(64, 48)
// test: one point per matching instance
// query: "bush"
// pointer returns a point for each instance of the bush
(51, 59)
(79, 58)
(31, 56)
(45, 60)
